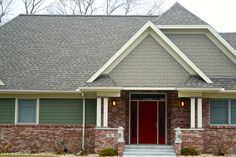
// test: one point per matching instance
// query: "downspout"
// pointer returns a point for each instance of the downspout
(83, 125)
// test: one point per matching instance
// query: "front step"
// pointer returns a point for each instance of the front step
(149, 151)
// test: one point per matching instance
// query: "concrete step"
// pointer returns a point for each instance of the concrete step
(149, 151)
(149, 146)
(149, 155)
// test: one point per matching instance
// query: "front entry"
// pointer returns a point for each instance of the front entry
(147, 122)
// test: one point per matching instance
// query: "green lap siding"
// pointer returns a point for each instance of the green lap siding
(90, 111)
(61, 111)
(7, 111)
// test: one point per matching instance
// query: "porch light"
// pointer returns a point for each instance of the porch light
(182, 103)
(114, 103)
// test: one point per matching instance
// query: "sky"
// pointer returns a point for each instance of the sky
(221, 14)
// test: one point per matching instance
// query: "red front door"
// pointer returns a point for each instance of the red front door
(147, 122)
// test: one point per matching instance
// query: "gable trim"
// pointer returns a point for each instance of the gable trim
(173, 50)
(1, 83)
(219, 41)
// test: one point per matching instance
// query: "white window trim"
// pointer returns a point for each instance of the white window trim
(17, 112)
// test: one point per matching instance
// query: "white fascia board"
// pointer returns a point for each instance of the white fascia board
(200, 89)
(186, 62)
(1, 83)
(119, 52)
(38, 91)
(181, 54)
(231, 55)
(149, 88)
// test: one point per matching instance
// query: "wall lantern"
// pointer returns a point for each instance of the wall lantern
(182, 103)
(113, 103)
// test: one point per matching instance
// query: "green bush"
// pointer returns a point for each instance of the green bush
(108, 152)
(189, 151)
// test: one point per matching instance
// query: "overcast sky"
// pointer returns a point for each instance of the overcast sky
(221, 14)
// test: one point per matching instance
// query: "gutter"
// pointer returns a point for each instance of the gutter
(39, 91)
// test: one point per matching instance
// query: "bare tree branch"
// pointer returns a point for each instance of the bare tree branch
(4, 9)
(112, 5)
(129, 5)
(156, 7)
(79, 7)
(33, 6)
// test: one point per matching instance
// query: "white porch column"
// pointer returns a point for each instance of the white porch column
(192, 111)
(105, 112)
(99, 111)
(199, 112)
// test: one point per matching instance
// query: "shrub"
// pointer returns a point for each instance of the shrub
(189, 151)
(108, 152)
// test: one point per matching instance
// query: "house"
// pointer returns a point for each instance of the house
(78, 81)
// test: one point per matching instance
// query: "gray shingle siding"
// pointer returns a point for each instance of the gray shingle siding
(205, 54)
(149, 64)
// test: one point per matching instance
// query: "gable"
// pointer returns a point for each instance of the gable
(173, 50)
(205, 54)
(149, 64)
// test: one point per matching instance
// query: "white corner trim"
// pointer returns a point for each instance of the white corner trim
(99, 112)
(199, 112)
(105, 112)
(192, 112)
(184, 60)
(1, 83)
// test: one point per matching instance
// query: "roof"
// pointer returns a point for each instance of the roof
(56, 52)
(230, 38)
(178, 15)
(60, 52)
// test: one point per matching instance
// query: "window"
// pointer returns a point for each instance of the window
(27, 110)
(222, 111)
(233, 112)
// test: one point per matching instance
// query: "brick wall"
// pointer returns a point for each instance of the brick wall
(24, 138)
(210, 140)
(105, 138)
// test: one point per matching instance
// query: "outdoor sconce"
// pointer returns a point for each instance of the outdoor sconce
(113, 103)
(182, 103)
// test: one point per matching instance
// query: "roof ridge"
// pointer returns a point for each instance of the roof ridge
(89, 15)
(180, 7)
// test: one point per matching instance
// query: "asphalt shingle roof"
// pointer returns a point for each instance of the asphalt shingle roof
(178, 15)
(50, 52)
(60, 52)
(230, 38)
